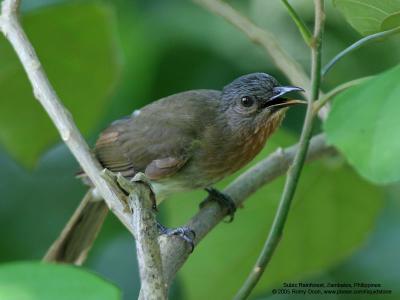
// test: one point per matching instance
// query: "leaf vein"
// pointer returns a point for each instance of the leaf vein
(370, 6)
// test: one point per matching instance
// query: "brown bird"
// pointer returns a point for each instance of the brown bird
(193, 139)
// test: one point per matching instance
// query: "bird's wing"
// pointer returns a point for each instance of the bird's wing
(165, 167)
(160, 138)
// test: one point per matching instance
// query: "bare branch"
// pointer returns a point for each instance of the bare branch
(48, 98)
(143, 225)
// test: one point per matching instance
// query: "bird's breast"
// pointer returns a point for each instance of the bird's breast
(240, 150)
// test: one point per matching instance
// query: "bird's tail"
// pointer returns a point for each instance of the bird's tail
(77, 237)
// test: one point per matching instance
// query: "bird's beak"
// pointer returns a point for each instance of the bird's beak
(278, 101)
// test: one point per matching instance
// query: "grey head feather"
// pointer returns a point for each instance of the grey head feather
(255, 84)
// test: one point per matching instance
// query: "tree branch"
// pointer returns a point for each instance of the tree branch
(143, 226)
(61, 117)
(294, 172)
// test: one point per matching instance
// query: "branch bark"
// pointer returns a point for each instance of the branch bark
(143, 226)
(61, 117)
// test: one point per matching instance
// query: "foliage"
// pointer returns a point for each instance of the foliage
(370, 16)
(363, 123)
(37, 281)
(107, 58)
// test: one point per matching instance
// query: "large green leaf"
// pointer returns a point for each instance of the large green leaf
(333, 212)
(364, 126)
(368, 16)
(77, 48)
(38, 281)
(391, 21)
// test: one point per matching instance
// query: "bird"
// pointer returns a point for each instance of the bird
(193, 139)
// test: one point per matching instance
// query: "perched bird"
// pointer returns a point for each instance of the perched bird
(193, 139)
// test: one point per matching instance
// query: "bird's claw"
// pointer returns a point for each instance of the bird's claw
(185, 233)
(224, 200)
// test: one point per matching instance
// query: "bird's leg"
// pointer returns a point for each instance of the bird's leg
(222, 199)
(185, 233)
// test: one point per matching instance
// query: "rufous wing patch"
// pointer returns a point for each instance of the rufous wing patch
(160, 168)
(111, 155)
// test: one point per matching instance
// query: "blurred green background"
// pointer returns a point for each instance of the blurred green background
(107, 58)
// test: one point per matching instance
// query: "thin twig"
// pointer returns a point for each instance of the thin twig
(283, 61)
(61, 117)
(337, 90)
(304, 31)
(364, 41)
(294, 172)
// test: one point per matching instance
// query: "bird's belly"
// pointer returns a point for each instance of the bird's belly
(163, 189)
(183, 182)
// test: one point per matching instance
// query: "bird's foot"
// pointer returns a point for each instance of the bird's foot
(224, 200)
(185, 233)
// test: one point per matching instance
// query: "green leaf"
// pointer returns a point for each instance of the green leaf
(391, 21)
(325, 225)
(38, 281)
(78, 51)
(364, 126)
(368, 16)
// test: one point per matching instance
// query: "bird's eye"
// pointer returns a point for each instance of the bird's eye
(247, 101)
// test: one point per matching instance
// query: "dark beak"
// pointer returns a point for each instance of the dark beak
(278, 101)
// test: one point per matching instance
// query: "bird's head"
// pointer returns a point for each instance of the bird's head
(255, 99)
